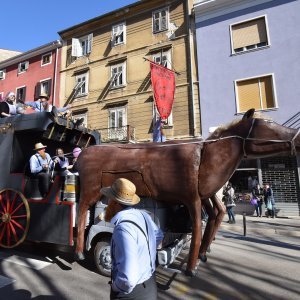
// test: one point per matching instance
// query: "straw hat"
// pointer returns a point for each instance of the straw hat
(39, 146)
(43, 95)
(122, 191)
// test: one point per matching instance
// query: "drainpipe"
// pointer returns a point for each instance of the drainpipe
(55, 73)
(190, 65)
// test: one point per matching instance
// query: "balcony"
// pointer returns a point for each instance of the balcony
(124, 134)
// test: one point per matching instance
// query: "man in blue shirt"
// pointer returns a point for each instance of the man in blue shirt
(133, 246)
(40, 165)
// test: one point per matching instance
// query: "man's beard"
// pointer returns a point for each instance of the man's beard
(43, 155)
(110, 211)
(10, 101)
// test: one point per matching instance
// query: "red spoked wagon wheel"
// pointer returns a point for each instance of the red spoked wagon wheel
(14, 218)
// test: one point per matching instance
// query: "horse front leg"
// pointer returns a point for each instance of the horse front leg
(82, 213)
(216, 211)
(195, 213)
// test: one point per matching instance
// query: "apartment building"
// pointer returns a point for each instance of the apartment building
(248, 57)
(105, 71)
(33, 72)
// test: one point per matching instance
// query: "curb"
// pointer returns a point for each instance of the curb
(260, 231)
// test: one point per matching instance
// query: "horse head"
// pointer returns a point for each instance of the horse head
(267, 138)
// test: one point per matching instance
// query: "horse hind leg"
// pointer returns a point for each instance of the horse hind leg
(195, 213)
(216, 211)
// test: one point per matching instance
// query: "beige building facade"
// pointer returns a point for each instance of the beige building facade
(105, 73)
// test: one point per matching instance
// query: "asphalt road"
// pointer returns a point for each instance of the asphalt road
(265, 264)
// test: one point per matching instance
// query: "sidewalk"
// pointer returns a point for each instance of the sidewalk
(266, 226)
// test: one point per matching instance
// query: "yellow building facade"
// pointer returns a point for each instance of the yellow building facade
(105, 73)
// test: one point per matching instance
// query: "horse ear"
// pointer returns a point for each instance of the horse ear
(249, 114)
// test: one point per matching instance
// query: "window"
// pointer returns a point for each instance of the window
(46, 59)
(2, 74)
(163, 58)
(168, 121)
(249, 35)
(81, 87)
(160, 20)
(45, 87)
(78, 116)
(23, 66)
(258, 93)
(82, 46)
(21, 93)
(118, 34)
(117, 120)
(118, 78)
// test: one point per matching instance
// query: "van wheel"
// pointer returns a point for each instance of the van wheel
(102, 256)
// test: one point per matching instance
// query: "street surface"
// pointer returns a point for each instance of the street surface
(264, 264)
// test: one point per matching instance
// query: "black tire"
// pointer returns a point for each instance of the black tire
(102, 256)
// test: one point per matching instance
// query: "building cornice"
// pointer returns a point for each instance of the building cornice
(208, 9)
(31, 53)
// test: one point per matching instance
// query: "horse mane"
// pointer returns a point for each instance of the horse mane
(218, 132)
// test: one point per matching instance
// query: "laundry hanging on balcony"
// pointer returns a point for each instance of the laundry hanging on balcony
(163, 84)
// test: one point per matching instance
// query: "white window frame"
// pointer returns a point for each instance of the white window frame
(256, 77)
(166, 62)
(18, 88)
(156, 116)
(115, 132)
(23, 67)
(166, 9)
(82, 46)
(42, 87)
(255, 47)
(116, 76)
(116, 32)
(79, 84)
(77, 116)
(50, 60)
(2, 74)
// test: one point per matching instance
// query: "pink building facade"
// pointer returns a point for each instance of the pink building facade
(33, 72)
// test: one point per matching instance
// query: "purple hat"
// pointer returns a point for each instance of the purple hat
(76, 152)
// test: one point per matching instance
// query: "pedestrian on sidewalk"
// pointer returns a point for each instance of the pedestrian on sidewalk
(228, 197)
(270, 201)
(256, 200)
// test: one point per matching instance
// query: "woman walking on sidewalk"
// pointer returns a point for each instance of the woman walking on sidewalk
(228, 193)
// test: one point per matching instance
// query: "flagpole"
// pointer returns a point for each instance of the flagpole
(177, 73)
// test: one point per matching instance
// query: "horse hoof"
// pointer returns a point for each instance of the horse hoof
(189, 273)
(203, 257)
(79, 256)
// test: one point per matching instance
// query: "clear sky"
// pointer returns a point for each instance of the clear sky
(28, 24)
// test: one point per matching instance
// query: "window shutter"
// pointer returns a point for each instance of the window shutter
(24, 94)
(26, 65)
(49, 87)
(90, 42)
(266, 92)
(249, 33)
(37, 90)
(76, 48)
(248, 95)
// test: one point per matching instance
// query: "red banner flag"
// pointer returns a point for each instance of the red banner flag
(163, 84)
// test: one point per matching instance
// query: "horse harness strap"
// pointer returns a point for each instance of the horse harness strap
(293, 147)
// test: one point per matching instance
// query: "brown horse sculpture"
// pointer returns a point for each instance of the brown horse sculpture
(187, 172)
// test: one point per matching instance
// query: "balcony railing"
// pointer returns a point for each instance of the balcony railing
(123, 134)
